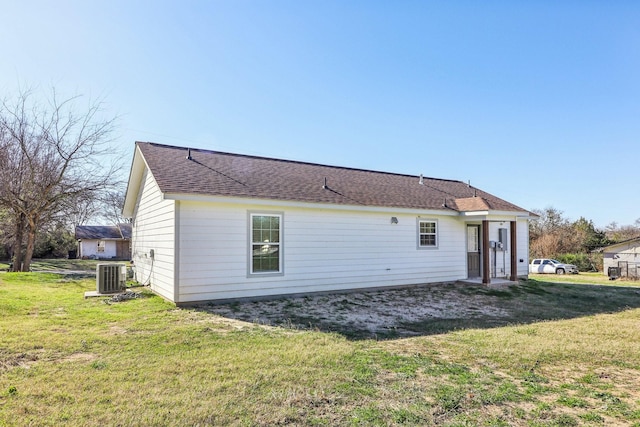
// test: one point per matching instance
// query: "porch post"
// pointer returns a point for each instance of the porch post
(514, 253)
(486, 253)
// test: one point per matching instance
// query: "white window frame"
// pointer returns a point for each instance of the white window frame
(102, 245)
(419, 233)
(252, 243)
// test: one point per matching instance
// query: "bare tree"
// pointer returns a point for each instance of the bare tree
(619, 233)
(79, 210)
(50, 154)
(112, 203)
(551, 234)
(6, 232)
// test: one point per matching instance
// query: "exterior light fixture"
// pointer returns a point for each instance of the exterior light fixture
(394, 220)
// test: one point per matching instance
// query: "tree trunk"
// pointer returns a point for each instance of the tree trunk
(17, 245)
(31, 244)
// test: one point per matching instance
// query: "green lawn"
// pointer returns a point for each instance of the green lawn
(65, 360)
(596, 278)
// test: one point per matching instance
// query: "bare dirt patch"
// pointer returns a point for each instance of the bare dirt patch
(78, 357)
(432, 309)
(117, 330)
(369, 313)
(20, 360)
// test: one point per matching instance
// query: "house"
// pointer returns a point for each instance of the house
(104, 242)
(210, 225)
(625, 255)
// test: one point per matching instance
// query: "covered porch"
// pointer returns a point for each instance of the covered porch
(484, 245)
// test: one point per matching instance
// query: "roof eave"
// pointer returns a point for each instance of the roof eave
(623, 243)
(138, 166)
(303, 204)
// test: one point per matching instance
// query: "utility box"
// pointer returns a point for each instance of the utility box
(111, 278)
(503, 237)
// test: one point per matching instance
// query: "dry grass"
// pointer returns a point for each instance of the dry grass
(65, 360)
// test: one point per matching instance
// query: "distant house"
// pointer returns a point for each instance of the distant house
(625, 255)
(209, 225)
(104, 242)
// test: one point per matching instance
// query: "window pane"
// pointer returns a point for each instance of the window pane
(472, 239)
(266, 229)
(428, 233)
(427, 227)
(266, 258)
(256, 222)
(427, 240)
(265, 248)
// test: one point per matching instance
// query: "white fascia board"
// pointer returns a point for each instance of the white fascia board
(475, 213)
(306, 205)
(138, 166)
(495, 215)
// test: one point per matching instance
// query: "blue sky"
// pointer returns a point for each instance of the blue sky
(536, 102)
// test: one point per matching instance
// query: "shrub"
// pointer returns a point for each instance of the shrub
(584, 262)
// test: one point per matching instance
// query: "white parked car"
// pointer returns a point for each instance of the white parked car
(551, 266)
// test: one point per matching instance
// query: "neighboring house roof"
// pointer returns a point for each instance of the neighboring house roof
(212, 173)
(97, 232)
(624, 243)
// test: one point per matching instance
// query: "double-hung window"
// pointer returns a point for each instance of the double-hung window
(266, 243)
(427, 233)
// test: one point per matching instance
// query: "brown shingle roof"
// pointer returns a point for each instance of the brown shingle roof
(472, 204)
(234, 175)
(92, 232)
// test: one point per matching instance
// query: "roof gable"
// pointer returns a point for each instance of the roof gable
(181, 171)
(469, 204)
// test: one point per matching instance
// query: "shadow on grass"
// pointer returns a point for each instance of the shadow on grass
(430, 310)
(533, 301)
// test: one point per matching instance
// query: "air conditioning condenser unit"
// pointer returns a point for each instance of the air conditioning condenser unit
(111, 278)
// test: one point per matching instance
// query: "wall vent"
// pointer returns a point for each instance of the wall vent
(111, 278)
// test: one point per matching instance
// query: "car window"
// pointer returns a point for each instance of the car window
(536, 261)
(555, 261)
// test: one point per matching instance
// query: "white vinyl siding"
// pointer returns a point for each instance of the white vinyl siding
(324, 250)
(89, 248)
(153, 229)
(522, 254)
(625, 255)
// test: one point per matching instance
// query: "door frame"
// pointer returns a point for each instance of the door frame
(478, 227)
